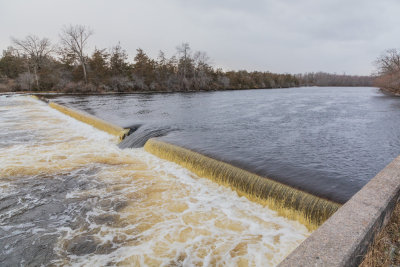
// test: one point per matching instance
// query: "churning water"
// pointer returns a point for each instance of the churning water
(70, 196)
(326, 141)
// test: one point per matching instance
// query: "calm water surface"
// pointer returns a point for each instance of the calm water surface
(327, 141)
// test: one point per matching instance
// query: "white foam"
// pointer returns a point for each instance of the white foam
(170, 214)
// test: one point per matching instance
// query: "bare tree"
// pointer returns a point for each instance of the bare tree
(74, 41)
(36, 50)
(25, 80)
(184, 54)
(201, 62)
(389, 62)
(201, 59)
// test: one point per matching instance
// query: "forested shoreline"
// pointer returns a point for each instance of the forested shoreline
(388, 77)
(36, 64)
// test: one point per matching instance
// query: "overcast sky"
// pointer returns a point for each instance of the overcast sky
(292, 36)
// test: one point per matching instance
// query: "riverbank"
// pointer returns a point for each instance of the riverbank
(100, 92)
(385, 250)
(391, 91)
(167, 92)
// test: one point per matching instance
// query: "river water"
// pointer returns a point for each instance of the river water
(70, 196)
(326, 141)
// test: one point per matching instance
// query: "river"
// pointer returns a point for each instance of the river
(328, 141)
(70, 196)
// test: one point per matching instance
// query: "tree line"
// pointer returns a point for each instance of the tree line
(388, 67)
(329, 79)
(36, 64)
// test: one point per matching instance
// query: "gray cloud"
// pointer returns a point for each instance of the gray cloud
(267, 35)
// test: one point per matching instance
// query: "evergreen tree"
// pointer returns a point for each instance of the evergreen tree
(98, 66)
(12, 64)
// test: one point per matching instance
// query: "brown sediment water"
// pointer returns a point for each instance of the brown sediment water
(292, 203)
(70, 196)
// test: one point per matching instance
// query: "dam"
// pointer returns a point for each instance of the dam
(300, 153)
(327, 141)
(70, 196)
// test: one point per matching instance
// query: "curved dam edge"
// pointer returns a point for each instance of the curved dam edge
(92, 120)
(345, 237)
(342, 240)
(288, 201)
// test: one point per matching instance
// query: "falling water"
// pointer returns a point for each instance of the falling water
(69, 195)
(292, 203)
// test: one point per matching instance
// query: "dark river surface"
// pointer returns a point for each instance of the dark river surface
(327, 141)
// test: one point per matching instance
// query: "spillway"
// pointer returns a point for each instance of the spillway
(303, 152)
(288, 201)
(295, 204)
(214, 178)
(70, 196)
(327, 141)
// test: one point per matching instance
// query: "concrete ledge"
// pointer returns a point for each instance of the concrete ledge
(344, 238)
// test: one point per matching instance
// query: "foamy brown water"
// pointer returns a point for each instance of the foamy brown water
(70, 196)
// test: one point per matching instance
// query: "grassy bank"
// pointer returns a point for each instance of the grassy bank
(385, 250)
